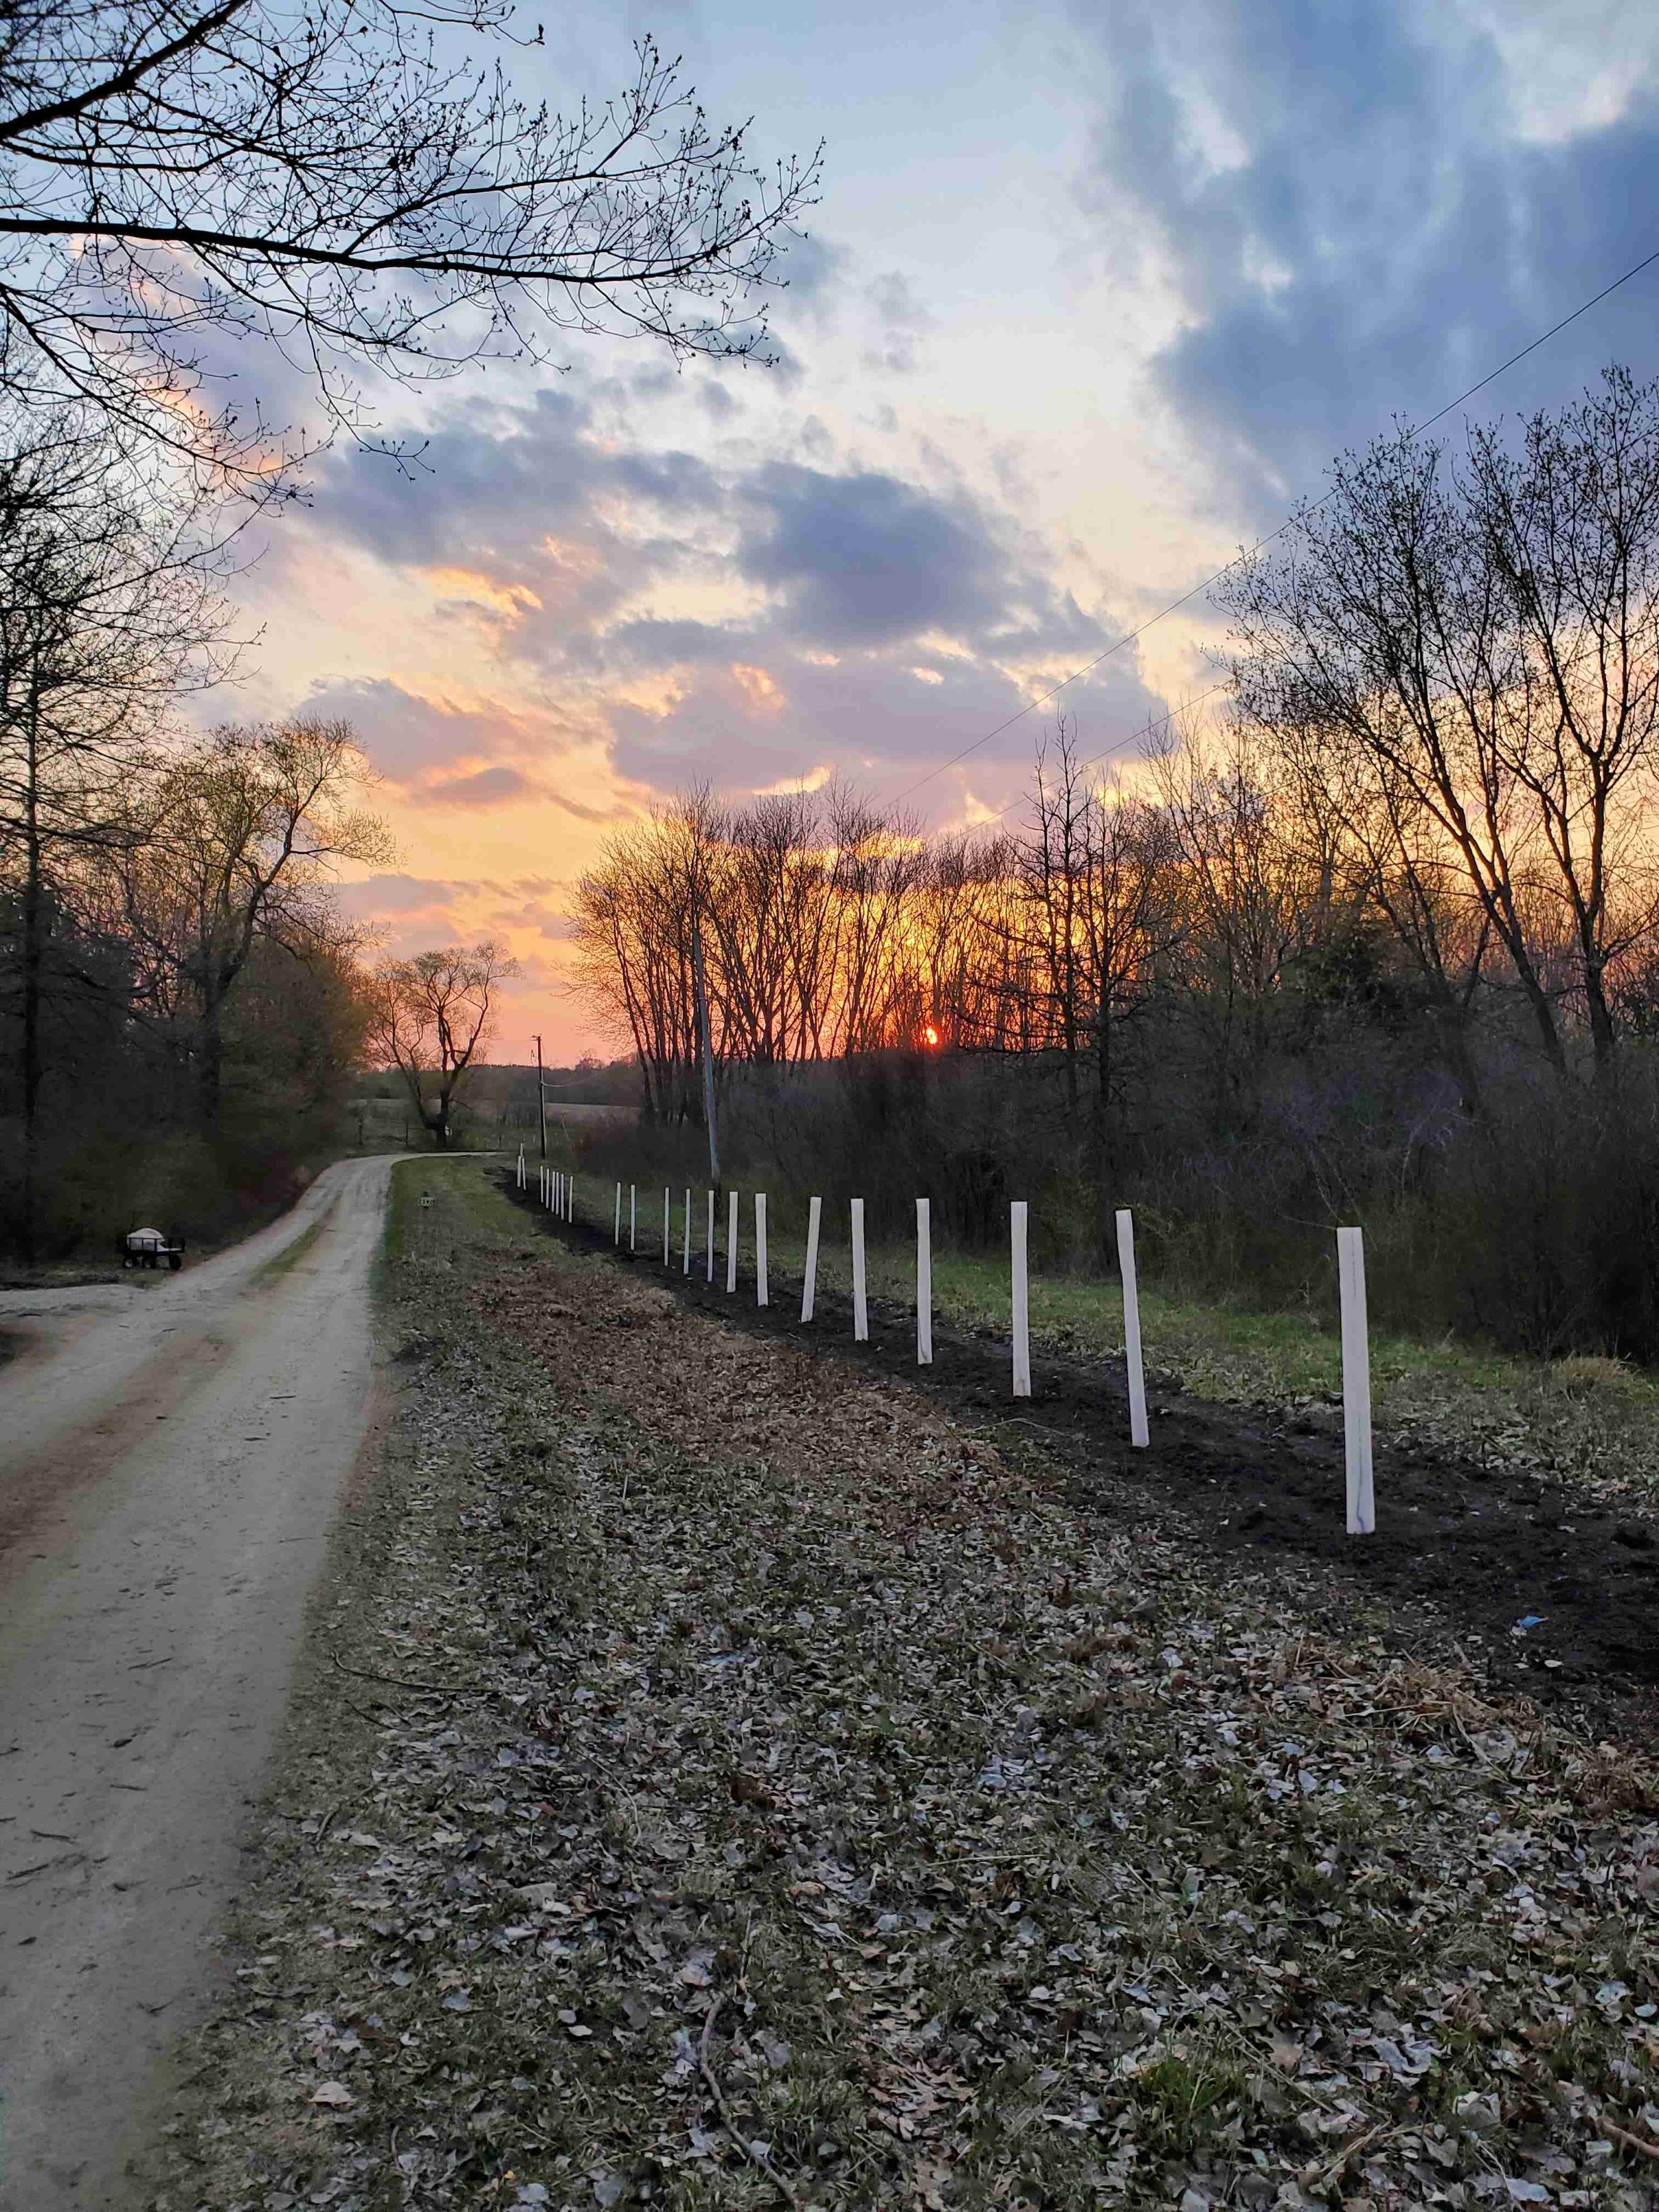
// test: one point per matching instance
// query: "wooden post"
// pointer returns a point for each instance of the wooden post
(731, 1244)
(1125, 1260)
(808, 1288)
(924, 1283)
(687, 1268)
(1017, 1222)
(1356, 1382)
(860, 1306)
(761, 1297)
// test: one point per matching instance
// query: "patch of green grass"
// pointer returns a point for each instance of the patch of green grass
(1590, 1420)
(291, 1254)
(467, 1207)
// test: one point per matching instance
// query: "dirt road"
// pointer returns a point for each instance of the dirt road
(171, 1453)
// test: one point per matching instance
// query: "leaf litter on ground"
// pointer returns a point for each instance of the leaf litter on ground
(718, 1780)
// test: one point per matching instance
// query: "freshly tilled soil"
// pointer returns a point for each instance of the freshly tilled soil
(1484, 1545)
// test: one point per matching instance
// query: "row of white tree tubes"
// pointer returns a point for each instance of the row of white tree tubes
(558, 1192)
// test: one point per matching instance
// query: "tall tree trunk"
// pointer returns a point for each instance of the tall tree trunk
(35, 925)
(1104, 1166)
(1603, 1037)
(211, 1061)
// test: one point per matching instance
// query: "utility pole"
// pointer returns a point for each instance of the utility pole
(541, 1096)
(705, 1047)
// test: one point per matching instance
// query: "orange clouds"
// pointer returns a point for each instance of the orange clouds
(763, 693)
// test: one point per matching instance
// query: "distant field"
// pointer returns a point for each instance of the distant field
(374, 1124)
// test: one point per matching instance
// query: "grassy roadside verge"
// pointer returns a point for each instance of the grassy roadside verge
(1593, 1422)
(716, 1782)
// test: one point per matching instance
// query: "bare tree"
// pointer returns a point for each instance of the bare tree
(249, 827)
(432, 1021)
(176, 173)
(1474, 651)
(1570, 526)
(108, 612)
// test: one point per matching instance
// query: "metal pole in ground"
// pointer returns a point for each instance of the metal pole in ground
(705, 1046)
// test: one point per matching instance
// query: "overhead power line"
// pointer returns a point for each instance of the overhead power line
(1186, 599)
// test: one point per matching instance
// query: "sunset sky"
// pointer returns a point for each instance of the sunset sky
(1090, 297)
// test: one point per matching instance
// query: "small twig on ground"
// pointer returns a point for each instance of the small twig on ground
(395, 1681)
(1316, 2177)
(750, 2150)
(1647, 2148)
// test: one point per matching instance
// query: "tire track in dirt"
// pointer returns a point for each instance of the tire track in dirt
(173, 1474)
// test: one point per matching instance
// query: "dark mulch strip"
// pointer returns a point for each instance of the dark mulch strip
(1483, 1544)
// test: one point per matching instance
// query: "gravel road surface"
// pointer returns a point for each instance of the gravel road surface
(171, 1448)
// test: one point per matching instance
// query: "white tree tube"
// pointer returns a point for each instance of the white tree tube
(809, 1289)
(632, 1216)
(761, 1297)
(1016, 1217)
(732, 1244)
(924, 1283)
(1137, 1374)
(616, 1239)
(1356, 1382)
(667, 1224)
(861, 1307)
(686, 1269)
(711, 1236)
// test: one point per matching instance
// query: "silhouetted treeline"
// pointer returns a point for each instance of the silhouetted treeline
(181, 1012)
(180, 1004)
(1376, 942)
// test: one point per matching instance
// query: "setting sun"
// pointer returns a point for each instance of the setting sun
(930, 1035)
